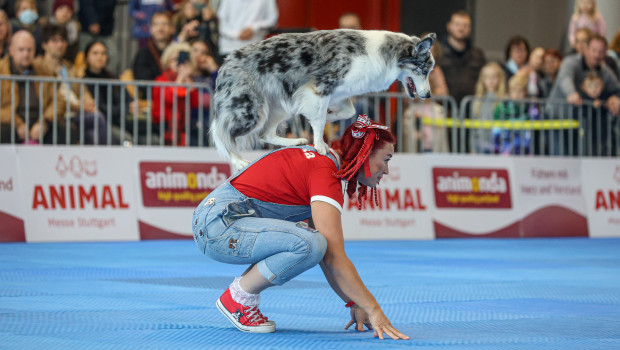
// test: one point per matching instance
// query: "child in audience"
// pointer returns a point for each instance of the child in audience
(513, 140)
(591, 89)
(490, 87)
(586, 15)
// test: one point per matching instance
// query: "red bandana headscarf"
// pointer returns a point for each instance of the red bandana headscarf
(362, 129)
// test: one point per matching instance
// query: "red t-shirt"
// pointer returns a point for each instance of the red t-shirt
(292, 176)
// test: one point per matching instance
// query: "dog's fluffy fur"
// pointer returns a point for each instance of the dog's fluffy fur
(310, 74)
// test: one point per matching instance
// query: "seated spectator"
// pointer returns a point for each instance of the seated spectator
(5, 33)
(142, 11)
(572, 72)
(54, 43)
(147, 63)
(586, 16)
(97, 21)
(205, 73)
(517, 54)
(23, 108)
(62, 15)
(173, 112)
(96, 57)
(491, 87)
(27, 18)
(551, 65)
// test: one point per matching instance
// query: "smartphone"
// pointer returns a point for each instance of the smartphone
(183, 57)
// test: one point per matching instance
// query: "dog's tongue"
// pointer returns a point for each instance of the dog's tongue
(411, 87)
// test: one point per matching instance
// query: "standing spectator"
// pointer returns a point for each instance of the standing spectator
(27, 18)
(551, 65)
(180, 73)
(97, 20)
(147, 63)
(239, 28)
(5, 33)
(573, 71)
(517, 54)
(461, 63)
(142, 11)
(460, 60)
(586, 16)
(349, 20)
(54, 43)
(534, 72)
(27, 101)
(62, 15)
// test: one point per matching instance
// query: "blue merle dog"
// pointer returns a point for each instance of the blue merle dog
(310, 74)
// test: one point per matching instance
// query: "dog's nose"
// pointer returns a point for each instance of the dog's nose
(424, 94)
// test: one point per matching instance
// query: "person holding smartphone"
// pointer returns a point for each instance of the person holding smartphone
(178, 67)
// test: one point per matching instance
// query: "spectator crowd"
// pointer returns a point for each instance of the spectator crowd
(185, 42)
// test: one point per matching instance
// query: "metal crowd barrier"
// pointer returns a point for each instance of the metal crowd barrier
(118, 96)
(478, 125)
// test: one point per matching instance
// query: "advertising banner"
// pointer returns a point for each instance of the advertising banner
(403, 211)
(473, 196)
(11, 208)
(77, 194)
(601, 183)
(171, 182)
(550, 197)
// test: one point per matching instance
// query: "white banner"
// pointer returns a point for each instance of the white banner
(404, 205)
(78, 193)
(473, 196)
(550, 197)
(601, 182)
(170, 183)
(11, 207)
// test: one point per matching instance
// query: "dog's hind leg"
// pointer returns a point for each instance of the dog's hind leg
(314, 108)
(277, 116)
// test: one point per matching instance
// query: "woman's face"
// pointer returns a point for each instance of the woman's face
(97, 57)
(518, 53)
(551, 65)
(378, 161)
(536, 58)
(200, 51)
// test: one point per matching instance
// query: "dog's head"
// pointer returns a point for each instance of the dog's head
(416, 65)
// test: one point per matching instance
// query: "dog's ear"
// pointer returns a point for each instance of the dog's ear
(425, 44)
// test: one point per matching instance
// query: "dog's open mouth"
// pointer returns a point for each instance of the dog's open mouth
(410, 87)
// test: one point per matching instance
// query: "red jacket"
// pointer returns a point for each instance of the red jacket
(171, 119)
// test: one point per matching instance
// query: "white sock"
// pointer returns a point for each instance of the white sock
(241, 296)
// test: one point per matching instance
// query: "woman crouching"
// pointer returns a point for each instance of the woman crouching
(254, 218)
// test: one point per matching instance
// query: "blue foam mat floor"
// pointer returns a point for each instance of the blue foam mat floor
(445, 294)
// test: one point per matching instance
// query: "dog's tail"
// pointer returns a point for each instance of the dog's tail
(231, 136)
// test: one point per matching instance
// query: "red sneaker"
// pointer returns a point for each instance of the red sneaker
(245, 318)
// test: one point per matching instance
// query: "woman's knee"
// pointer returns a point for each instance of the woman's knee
(314, 245)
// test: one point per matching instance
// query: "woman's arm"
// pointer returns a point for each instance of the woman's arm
(337, 267)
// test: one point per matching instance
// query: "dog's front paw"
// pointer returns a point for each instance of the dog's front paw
(321, 147)
(240, 163)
